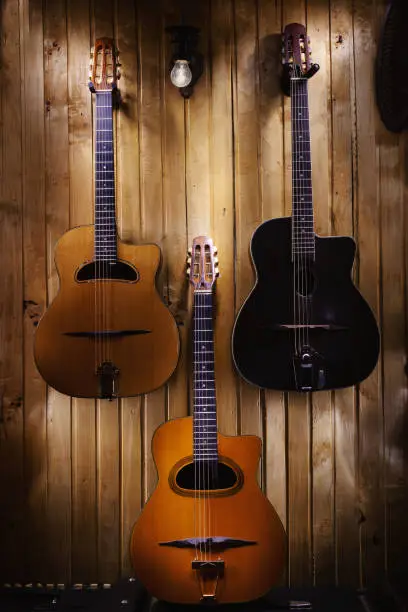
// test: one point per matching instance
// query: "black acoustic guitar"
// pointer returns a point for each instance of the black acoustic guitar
(305, 326)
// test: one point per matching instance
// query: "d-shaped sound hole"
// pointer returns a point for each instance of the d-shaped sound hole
(222, 477)
(304, 279)
(97, 270)
(207, 476)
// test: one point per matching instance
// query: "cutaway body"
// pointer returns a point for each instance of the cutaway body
(107, 326)
(247, 534)
(337, 325)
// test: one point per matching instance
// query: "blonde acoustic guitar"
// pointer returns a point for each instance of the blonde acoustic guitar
(208, 533)
(107, 333)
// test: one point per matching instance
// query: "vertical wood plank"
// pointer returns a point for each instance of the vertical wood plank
(272, 199)
(343, 193)
(84, 501)
(222, 206)
(247, 185)
(198, 119)
(197, 146)
(151, 193)
(298, 422)
(57, 215)
(34, 261)
(323, 554)
(128, 211)
(12, 508)
(174, 202)
(108, 497)
(368, 228)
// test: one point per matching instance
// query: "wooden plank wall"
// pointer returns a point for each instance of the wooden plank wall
(74, 474)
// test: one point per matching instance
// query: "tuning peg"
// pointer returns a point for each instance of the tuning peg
(215, 250)
(189, 260)
(216, 260)
(118, 74)
(188, 271)
(189, 251)
(217, 272)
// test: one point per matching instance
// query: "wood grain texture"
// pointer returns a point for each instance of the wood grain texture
(128, 217)
(248, 213)
(34, 262)
(370, 406)
(318, 30)
(84, 500)
(151, 192)
(12, 507)
(220, 47)
(57, 215)
(272, 184)
(346, 539)
(175, 223)
(77, 472)
(299, 494)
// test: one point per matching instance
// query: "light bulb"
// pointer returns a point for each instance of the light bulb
(180, 74)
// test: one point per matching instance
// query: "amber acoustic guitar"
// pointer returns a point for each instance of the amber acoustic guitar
(207, 534)
(107, 333)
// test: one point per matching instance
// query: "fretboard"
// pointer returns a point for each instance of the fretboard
(303, 236)
(205, 415)
(105, 213)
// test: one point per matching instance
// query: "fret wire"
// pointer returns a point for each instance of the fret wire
(303, 237)
(104, 207)
(205, 417)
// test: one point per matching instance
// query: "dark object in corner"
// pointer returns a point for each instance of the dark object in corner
(392, 67)
(128, 595)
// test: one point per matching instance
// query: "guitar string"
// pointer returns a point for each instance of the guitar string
(300, 226)
(97, 235)
(195, 431)
(200, 393)
(105, 232)
(96, 255)
(111, 235)
(208, 445)
(203, 400)
(98, 229)
(197, 421)
(294, 258)
(300, 221)
(311, 225)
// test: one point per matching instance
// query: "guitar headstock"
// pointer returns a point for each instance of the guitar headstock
(296, 52)
(202, 264)
(103, 73)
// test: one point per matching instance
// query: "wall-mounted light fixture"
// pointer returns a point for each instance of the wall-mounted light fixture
(186, 65)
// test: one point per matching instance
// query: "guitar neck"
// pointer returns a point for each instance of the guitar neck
(205, 413)
(105, 212)
(303, 236)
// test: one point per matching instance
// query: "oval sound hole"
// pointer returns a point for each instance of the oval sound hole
(118, 270)
(304, 280)
(206, 476)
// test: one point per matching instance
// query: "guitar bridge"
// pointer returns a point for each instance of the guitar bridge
(107, 373)
(209, 573)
